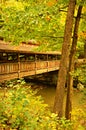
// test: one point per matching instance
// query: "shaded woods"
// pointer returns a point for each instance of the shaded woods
(43, 22)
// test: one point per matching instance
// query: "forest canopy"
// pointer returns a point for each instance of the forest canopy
(43, 21)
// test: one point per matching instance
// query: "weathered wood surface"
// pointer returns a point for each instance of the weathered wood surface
(21, 69)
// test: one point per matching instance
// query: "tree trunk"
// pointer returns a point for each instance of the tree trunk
(71, 66)
(59, 97)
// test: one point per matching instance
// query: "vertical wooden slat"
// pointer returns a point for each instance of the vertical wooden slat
(35, 63)
(18, 65)
(47, 63)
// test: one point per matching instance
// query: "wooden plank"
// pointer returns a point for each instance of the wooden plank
(53, 69)
(8, 76)
(22, 48)
(26, 73)
(41, 65)
(7, 68)
(41, 71)
(27, 66)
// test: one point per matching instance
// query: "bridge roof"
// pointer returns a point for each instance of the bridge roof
(9, 47)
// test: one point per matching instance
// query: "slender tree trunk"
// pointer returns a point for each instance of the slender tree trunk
(59, 97)
(71, 66)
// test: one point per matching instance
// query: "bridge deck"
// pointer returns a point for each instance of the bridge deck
(17, 62)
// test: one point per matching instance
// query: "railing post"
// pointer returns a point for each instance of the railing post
(18, 65)
(35, 63)
(47, 63)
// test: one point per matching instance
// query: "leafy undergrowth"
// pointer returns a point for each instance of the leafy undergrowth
(20, 109)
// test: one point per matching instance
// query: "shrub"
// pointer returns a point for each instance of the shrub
(78, 119)
(21, 109)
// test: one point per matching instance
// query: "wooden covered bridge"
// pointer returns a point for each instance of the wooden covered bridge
(19, 61)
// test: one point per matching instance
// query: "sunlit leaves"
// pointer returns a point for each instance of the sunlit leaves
(30, 21)
(22, 109)
(42, 20)
(51, 2)
(82, 35)
(13, 3)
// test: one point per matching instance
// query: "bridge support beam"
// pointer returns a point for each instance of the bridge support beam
(49, 78)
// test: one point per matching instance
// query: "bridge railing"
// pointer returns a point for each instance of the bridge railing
(16, 65)
(15, 70)
(6, 68)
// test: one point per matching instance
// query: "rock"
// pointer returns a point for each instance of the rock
(80, 87)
